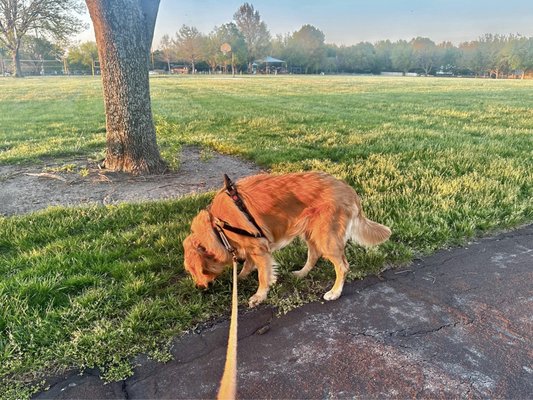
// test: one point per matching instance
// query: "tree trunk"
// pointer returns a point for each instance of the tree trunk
(17, 69)
(124, 30)
(65, 66)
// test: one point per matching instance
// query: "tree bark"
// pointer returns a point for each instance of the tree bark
(124, 30)
(17, 69)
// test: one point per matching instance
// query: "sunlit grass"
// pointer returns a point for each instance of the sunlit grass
(50, 117)
(438, 160)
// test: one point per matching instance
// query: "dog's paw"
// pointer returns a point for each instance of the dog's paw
(331, 295)
(300, 274)
(256, 299)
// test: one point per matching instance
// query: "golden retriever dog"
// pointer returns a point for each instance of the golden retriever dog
(324, 211)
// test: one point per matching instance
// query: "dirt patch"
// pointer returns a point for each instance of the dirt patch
(75, 182)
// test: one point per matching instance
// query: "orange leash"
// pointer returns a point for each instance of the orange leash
(228, 383)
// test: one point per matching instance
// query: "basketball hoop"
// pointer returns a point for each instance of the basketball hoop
(225, 48)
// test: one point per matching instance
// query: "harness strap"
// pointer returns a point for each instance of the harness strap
(223, 238)
(231, 191)
(225, 226)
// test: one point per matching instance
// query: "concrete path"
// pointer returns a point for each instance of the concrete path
(458, 324)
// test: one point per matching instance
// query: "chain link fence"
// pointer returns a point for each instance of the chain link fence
(47, 68)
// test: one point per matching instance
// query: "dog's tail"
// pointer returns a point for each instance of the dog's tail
(368, 233)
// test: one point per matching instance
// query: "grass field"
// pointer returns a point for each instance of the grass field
(438, 160)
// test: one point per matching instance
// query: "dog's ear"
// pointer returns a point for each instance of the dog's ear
(204, 252)
(201, 223)
(227, 182)
(205, 236)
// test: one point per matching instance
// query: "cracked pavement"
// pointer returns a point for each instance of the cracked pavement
(457, 324)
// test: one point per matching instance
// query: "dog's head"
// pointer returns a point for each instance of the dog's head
(205, 257)
(197, 261)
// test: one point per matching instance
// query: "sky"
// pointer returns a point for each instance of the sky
(346, 22)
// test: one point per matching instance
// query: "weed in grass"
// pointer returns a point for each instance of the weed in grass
(206, 154)
(63, 168)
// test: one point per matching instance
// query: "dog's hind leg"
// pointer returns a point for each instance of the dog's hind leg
(312, 257)
(341, 268)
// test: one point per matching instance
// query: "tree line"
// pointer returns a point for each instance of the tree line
(303, 51)
(40, 56)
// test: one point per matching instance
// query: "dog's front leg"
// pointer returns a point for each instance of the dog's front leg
(264, 272)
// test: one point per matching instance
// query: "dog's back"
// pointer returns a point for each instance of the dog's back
(311, 203)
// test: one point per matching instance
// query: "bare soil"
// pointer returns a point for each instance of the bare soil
(25, 189)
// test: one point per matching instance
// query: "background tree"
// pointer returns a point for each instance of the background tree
(37, 51)
(494, 48)
(360, 58)
(213, 55)
(167, 48)
(189, 45)
(383, 50)
(448, 56)
(467, 55)
(227, 33)
(124, 31)
(402, 56)
(278, 46)
(426, 54)
(84, 55)
(332, 60)
(49, 18)
(306, 48)
(3, 54)
(521, 55)
(254, 31)
(474, 57)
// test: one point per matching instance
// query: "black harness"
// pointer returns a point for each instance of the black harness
(221, 225)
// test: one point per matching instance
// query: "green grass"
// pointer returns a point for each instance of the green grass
(50, 118)
(438, 160)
